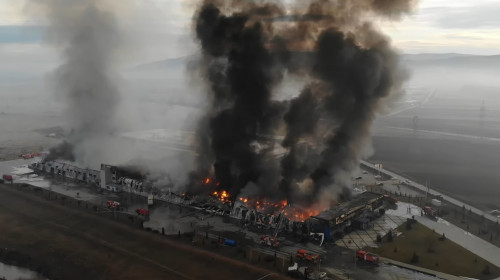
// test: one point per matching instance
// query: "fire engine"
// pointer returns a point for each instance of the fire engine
(429, 212)
(7, 178)
(270, 241)
(32, 155)
(112, 204)
(367, 257)
(142, 212)
(306, 256)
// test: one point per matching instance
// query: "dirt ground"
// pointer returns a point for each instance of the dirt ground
(65, 243)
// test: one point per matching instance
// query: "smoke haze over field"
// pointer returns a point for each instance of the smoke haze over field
(89, 39)
(249, 46)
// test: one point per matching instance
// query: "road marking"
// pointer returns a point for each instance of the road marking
(272, 273)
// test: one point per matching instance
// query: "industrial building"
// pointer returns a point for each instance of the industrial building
(344, 214)
(67, 171)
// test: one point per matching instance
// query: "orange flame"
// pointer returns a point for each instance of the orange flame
(275, 208)
(223, 195)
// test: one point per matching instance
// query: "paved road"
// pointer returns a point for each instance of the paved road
(436, 193)
(467, 240)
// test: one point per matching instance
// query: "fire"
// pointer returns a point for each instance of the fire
(293, 213)
(297, 214)
(263, 205)
(209, 181)
(223, 195)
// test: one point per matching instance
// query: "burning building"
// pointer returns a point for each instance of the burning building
(343, 214)
(68, 171)
(117, 179)
(350, 74)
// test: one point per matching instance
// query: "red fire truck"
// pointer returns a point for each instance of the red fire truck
(367, 257)
(142, 212)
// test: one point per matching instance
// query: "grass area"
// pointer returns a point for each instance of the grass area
(433, 253)
(459, 216)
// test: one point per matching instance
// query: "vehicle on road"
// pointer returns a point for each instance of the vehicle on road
(230, 242)
(112, 204)
(429, 212)
(270, 241)
(32, 155)
(112, 188)
(309, 257)
(8, 178)
(142, 212)
(367, 257)
(406, 182)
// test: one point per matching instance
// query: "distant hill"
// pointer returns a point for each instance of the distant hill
(432, 56)
(174, 64)
(298, 60)
(452, 60)
(302, 59)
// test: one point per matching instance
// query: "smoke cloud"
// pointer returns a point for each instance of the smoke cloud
(88, 38)
(352, 73)
(242, 73)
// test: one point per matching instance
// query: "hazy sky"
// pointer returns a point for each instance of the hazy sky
(158, 29)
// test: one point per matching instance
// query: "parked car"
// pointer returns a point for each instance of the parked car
(7, 178)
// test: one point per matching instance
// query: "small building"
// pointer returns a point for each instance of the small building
(108, 179)
(361, 223)
(344, 213)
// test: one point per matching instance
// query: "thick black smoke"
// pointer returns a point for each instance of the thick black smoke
(241, 73)
(352, 73)
(357, 79)
(301, 121)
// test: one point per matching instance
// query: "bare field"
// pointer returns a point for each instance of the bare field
(65, 243)
(462, 169)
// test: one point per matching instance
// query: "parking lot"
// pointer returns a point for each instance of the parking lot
(358, 239)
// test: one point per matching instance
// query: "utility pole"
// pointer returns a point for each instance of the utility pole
(427, 193)
(282, 218)
(481, 117)
(319, 269)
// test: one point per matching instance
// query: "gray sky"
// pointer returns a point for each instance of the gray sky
(159, 29)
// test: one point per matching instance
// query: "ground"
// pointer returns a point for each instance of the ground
(459, 216)
(435, 254)
(74, 244)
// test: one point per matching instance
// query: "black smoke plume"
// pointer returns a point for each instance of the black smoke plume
(351, 72)
(242, 73)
